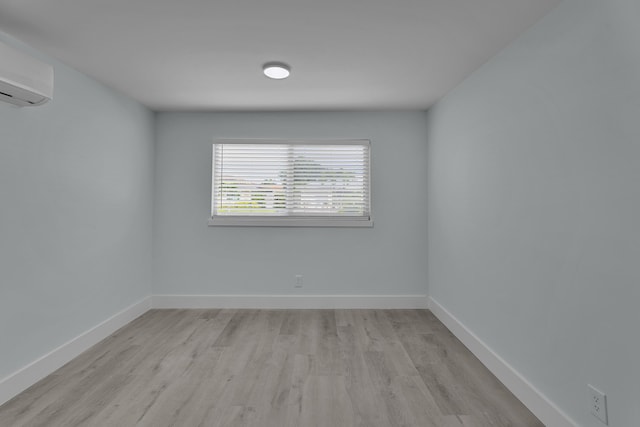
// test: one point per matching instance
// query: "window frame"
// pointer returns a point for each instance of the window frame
(291, 221)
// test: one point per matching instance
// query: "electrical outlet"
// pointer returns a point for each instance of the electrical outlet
(298, 283)
(598, 402)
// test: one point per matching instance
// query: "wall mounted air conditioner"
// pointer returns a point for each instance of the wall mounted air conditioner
(24, 80)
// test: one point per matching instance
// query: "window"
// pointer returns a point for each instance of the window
(291, 183)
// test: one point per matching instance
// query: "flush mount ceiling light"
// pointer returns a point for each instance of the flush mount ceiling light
(276, 70)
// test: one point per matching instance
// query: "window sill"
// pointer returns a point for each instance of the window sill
(288, 222)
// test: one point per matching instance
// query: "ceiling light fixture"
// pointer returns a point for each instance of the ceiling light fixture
(276, 70)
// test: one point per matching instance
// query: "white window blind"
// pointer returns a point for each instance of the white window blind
(267, 182)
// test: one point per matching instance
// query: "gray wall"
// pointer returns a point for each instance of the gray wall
(191, 258)
(534, 205)
(76, 180)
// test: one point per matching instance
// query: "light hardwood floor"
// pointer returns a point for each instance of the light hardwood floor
(273, 368)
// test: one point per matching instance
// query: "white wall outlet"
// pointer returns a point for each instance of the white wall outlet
(298, 283)
(598, 403)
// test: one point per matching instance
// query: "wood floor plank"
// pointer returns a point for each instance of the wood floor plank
(359, 382)
(273, 368)
(421, 406)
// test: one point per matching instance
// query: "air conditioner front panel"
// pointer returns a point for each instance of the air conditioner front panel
(24, 81)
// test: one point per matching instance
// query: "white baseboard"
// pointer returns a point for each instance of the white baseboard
(291, 301)
(45, 365)
(532, 398)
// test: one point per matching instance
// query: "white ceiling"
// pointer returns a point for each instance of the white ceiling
(207, 54)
